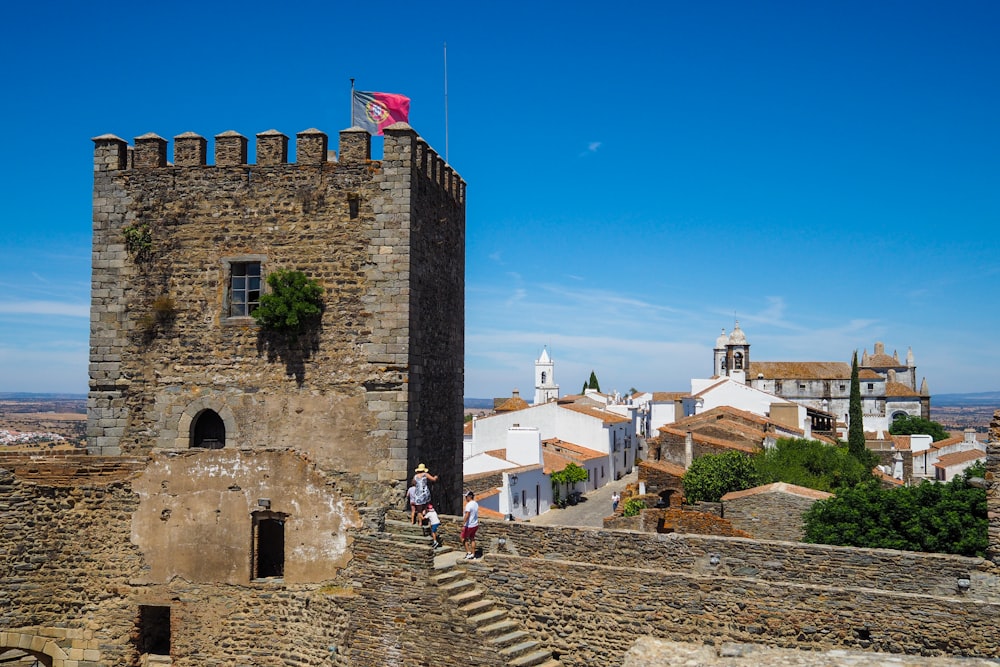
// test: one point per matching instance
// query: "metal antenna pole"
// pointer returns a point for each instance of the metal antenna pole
(446, 102)
(352, 101)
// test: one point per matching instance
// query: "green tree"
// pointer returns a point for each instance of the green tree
(930, 517)
(714, 475)
(633, 506)
(855, 417)
(571, 474)
(294, 302)
(910, 425)
(812, 464)
(592, 383)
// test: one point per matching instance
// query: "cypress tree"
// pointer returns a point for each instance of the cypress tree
(593, 382)
(855, 418)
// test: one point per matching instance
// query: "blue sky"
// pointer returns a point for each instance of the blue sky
(640, 174)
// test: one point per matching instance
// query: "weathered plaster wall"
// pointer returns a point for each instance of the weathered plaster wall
(194, 519)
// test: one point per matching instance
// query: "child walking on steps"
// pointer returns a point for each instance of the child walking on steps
(435, 522)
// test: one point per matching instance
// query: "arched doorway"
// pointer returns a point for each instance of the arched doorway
(208, 430)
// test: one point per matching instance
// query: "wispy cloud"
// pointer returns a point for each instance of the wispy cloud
(591, 148)
(45, 308)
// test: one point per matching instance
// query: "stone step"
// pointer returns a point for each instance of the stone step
(465, 597)
(531, 659)
(499, 628)
(521, 648)
(509, 638)
(487, 617)
(457, 586)
(551, 662)
(477, 607)
(405, 528)
(445, 577)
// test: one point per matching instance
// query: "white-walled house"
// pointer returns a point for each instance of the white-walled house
(707, 394)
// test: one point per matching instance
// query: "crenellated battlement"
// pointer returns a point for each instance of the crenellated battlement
(150, 151)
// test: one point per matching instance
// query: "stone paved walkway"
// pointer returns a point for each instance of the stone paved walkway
(589, 512)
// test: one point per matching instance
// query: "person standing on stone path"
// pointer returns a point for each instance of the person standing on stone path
(409, 501)
(470, 524)
(615, 499)
(422, 490)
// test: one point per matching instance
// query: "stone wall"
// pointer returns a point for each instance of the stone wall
(591, 613)
(773, 515)
(385, 239)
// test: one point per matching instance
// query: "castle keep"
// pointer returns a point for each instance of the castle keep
(180, 255)
(234, 509)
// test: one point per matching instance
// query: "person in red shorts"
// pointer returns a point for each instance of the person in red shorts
(470, 524)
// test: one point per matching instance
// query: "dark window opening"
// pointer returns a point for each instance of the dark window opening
(154, 630)
(244, 288)
(208, 431)
(268, 545)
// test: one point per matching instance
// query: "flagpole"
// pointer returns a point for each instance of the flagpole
(446, 102)
(352, 101)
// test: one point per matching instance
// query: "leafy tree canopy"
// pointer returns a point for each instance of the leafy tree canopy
(714, 475)
(811, 464)
(930, 517)
(294, 302)
(570, 474)
(910, 425)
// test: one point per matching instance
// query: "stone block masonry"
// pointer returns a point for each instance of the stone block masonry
(374, 390)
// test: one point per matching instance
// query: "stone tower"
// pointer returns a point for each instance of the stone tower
(181, 255)
(546, 388)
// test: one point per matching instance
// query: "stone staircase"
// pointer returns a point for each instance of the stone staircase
(485, 616)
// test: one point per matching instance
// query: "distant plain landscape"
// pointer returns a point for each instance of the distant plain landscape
(65, 414)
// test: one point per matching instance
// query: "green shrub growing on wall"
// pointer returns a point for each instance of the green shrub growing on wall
(294, 302)
(138, 240)
(633, 506)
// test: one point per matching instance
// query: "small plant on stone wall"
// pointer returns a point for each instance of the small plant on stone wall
(138, 240)
(160, 317)
(633, 506)
(294, 303)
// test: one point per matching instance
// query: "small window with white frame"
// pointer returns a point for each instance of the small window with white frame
(244, 284)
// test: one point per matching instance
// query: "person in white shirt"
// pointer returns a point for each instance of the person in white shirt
(432, 518)
(470, 524)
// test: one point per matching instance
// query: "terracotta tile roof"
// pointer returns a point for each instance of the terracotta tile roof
(899, 389)
(662, 396)
(512, 404)
(749, 447)
(867, 374)
(883, 361)
(577, 452)
(487, 513)
(885, 477)
(902, 442)
(953, 440)
(499, 453)
(553, 462)
(796, 370)
(778, 487)
(603, 415)
(467, 429)
(665, 466)
(959, 457)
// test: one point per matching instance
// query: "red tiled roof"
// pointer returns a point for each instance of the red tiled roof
(959, 457)
(883, 476)
(603, 415)
(796, 370)
(512, 404)
(883, 361)
(667, 467)
(868, 374)
(899, 389)
(578, 452)
(661, 396)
